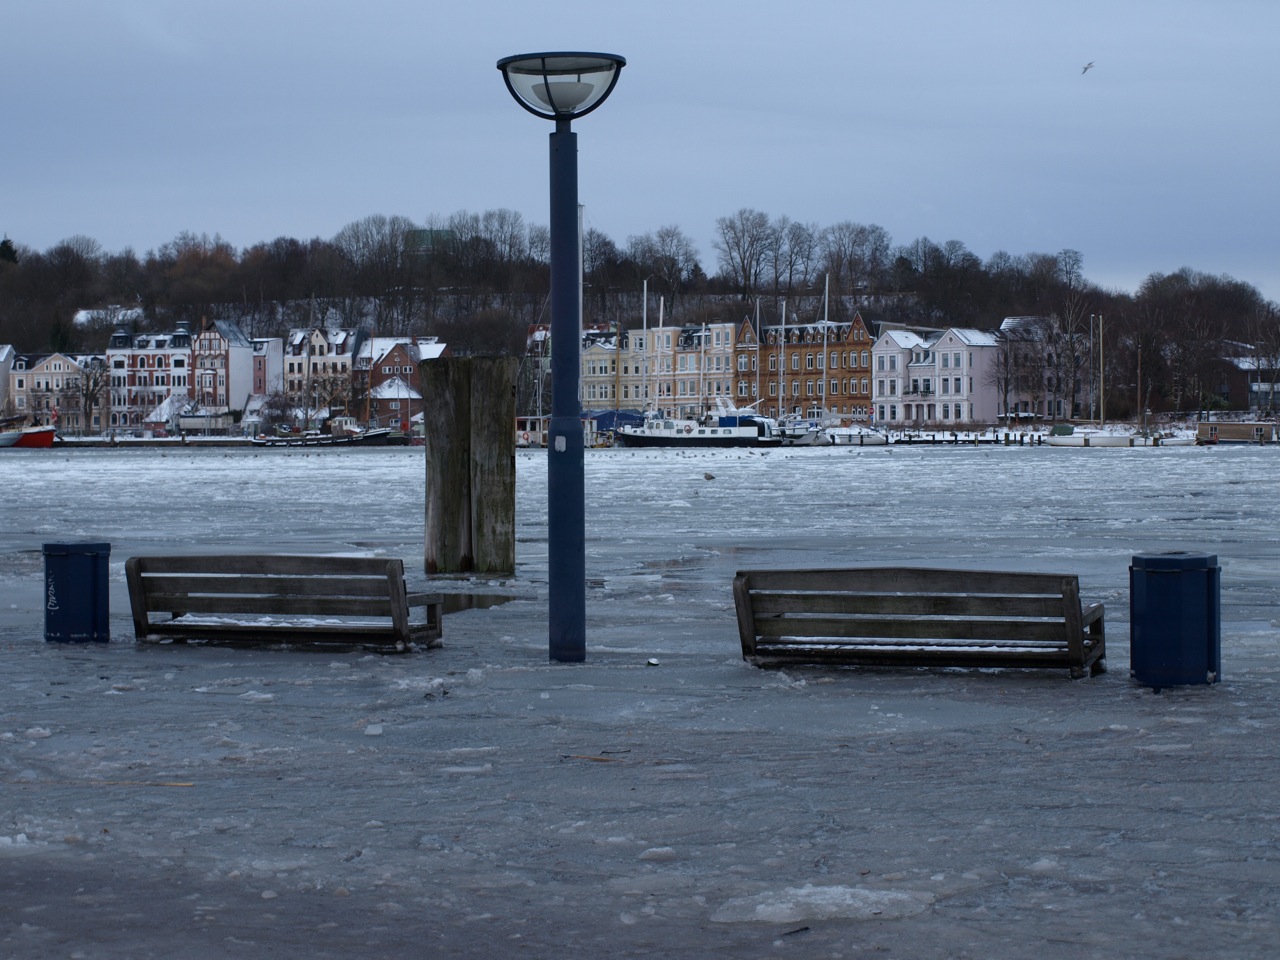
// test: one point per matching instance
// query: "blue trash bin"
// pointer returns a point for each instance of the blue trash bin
(1175, 619)
(76, 604)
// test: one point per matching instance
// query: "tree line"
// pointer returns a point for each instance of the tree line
(480, 280)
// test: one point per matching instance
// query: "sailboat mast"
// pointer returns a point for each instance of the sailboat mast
(644, 340)
(782, 359)
(1102, 374)
(758, 331)
(826, 306)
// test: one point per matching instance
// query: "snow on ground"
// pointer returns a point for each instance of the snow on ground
(478, 801)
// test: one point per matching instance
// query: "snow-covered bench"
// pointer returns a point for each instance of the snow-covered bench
(342, 601)
(904, 616)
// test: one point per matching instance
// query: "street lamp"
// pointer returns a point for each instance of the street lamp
(560, 87)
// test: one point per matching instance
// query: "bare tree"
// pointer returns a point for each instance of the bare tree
(742, 243)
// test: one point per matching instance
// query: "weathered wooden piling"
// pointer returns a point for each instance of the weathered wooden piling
(469, 420)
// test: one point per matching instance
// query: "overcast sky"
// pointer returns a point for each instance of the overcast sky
(134, 120)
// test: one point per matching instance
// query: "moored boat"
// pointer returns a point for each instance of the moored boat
(28, 437)
(1067, 435)
(369, 438)
(728, 427)
(856, 436)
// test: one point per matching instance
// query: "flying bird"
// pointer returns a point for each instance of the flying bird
(1087, 67)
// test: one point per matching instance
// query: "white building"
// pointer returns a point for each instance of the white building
(934, 378)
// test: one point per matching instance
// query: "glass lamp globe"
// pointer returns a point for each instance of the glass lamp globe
(561, 86)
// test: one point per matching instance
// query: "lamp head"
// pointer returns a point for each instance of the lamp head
(561, 86)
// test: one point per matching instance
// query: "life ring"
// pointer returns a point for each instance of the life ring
(524, 437)
(688, 428)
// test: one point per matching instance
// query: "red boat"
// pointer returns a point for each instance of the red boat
(29, 437)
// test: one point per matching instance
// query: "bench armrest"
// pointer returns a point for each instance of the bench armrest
(424, 599)
(1092, 614)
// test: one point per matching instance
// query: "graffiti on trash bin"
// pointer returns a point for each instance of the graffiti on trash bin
(51, 602)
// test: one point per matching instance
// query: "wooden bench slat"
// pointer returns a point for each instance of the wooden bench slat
(909, 580)
(919, 627)
(284, 606)
(767, 602)
(267, 563)
(918, 657)
(251, 585)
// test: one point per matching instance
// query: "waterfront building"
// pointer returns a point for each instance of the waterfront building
(57, 389)
(809, 369)
(934, 377)
(385, 376)
(146, 369)
(222, 368)
(318, 364)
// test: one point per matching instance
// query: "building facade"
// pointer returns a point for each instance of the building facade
(817, 369)
(386, 377)
(145, 371)
(934, 377)
(59, 390)
(318, 368)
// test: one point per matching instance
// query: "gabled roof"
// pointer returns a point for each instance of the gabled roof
(374, 349)
(232, 333)
(394, 389)
(903, 339)
(972, 337)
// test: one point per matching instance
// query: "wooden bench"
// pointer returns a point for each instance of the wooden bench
(901, 616)
(330, 601)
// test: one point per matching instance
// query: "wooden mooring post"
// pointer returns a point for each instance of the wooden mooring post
(469, 416)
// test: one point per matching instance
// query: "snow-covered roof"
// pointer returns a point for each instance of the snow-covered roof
(168, 409)
(374, 349)
(232, 333)
(394, 389)
(972, 337)
(112, 314)
(904, 339)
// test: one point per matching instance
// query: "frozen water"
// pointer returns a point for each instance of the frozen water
(477, 801)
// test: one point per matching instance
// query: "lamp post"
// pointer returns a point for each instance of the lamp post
(560, 87)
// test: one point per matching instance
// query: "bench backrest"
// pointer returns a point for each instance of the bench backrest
(268, 584)
(875, 603)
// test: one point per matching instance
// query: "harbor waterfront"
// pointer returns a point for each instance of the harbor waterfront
(664, 798)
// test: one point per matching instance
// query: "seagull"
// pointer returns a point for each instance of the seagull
(1087, 67)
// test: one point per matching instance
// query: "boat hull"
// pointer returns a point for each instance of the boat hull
(370, 438)
(29, 438)
(638, 439)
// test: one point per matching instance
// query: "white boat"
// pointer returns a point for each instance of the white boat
(727, 427)
(1112, 437)
(856, 436)
(801, 431)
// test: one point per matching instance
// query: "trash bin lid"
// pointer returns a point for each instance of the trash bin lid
(1175, 560)
(76, 549)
